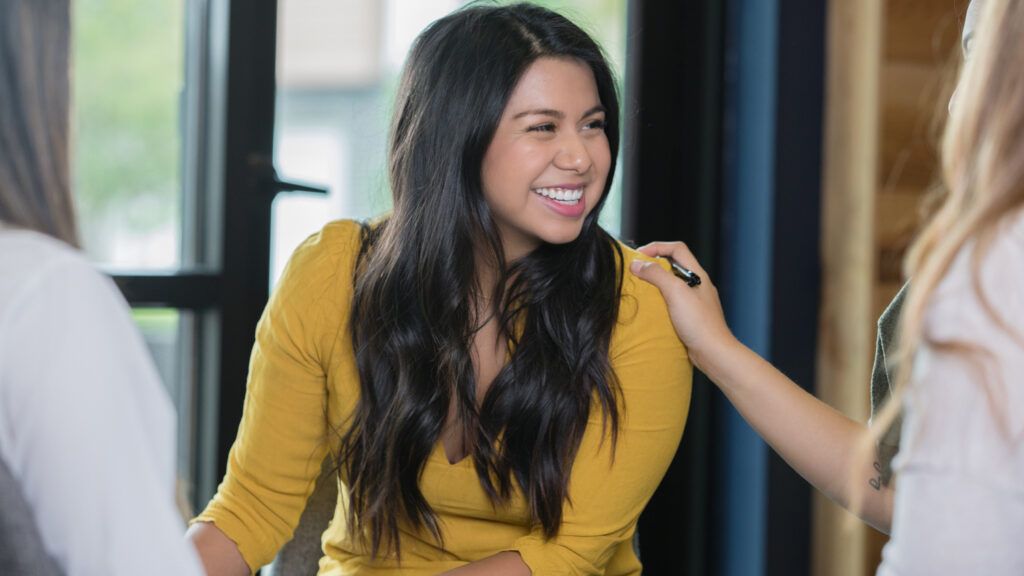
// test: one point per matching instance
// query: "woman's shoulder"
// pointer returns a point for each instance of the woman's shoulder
(642, 309)
(314, 292)
(30, 250)
(636, 293)
(334, 242)
(34, 263)
(982, 275)
(52, 297)
(650, 361)
(324, 258)
(971, 322)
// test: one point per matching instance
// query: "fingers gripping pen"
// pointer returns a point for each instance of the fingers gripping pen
(691, 278)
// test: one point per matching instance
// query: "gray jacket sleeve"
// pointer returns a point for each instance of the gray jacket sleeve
(883, 377)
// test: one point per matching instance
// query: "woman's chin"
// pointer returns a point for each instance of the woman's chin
(562, 237)
(563, 233)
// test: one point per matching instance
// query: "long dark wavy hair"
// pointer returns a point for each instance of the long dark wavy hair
(35, 192)
(416, 291)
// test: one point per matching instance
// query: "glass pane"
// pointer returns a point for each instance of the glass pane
(128, 76)
(166, 334)
(338, 65)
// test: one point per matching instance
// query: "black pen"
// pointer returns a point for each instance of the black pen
(691, 278)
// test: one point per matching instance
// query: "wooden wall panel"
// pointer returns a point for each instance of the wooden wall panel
(890, 66)
(848, 259)
(911, 96)
(921, 30)
(918, 66)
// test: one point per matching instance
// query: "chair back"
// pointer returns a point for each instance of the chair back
(21, 548)
(301, 555)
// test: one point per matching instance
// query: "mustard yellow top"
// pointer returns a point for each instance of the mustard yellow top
(303, 360)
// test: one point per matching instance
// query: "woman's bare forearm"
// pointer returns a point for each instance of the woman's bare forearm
(219, 554)
(819, 442)
(506, 563)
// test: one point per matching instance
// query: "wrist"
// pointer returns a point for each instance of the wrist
(716, 355)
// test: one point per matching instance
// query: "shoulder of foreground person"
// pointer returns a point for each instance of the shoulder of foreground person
(978, 308)
(983, 287)
(28, 258)
(47, 286)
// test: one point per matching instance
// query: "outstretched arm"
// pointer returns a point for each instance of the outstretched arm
(506, 563)
(819, 442)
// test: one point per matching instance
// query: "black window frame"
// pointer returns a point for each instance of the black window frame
(229, 187)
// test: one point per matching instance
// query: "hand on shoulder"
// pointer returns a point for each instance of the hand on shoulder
(696, 311)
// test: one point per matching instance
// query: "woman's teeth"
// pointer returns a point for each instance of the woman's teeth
(561, 195)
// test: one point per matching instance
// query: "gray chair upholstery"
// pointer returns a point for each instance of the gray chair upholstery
(301, 555)
(21, 548)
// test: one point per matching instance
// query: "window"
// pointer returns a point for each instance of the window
(139, 103)
(128, 79)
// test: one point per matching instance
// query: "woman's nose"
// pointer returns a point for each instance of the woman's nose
(573, 155)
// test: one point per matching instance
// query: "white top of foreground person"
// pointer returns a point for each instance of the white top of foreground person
(85, 425)
(960, 469)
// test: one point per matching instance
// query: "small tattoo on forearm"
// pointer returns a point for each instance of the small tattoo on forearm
(878, 482)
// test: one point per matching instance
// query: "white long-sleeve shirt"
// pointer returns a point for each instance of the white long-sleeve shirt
(959, 501)
(85, 424)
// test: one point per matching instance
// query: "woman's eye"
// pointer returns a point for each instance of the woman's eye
(596, 125)
(542, 128)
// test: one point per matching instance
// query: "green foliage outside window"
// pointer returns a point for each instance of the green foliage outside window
(127, 77)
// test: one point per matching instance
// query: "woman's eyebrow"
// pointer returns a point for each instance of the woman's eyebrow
(558, 114)
(540, 112)
(599, 109)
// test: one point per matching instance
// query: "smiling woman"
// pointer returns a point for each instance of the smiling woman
(546, 167)
(498, 397)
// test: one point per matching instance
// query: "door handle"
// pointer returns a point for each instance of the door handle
(268, 181)
(280, 185)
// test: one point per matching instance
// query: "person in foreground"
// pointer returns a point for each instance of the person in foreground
(87, 431)
(499, 397)
(959, 486)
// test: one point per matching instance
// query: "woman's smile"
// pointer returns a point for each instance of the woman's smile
(566, 201)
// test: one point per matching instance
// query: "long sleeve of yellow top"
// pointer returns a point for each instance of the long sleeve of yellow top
(303, 385)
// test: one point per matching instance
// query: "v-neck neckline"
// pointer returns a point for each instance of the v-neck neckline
(439, 453)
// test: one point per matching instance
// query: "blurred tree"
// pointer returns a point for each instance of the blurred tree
(127, 74)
